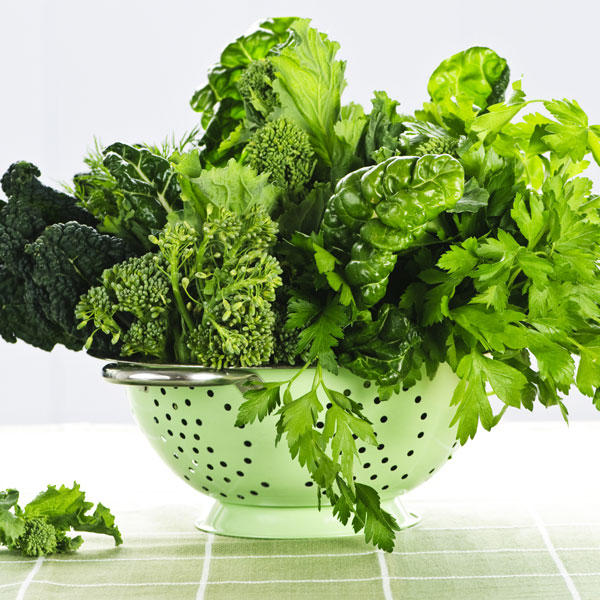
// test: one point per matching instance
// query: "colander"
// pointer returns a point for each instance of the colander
(188, 415)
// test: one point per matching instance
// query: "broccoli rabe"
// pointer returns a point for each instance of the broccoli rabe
(41, 527)
(255, 86)
(444, 145)
(224, 283)
(283, 150)
(130, 305)
(38, 539)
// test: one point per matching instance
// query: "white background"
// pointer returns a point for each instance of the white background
(125, 70)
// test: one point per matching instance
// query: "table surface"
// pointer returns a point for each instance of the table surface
(515, 514)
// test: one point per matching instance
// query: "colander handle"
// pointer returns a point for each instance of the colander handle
(140, 374)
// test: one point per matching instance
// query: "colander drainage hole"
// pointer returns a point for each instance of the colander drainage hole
(227, 406)
(174, 405)
(226, 480)
(163, 391)
(240, 497)
(205, 488)
(308, 484)
(210, 393)
(421, 434)
(247, 443)
(328, 405)
(394, 468)
(195, 450)
(320, 424)
(184, 422)
(168, 417)
(199, 422)
(186, 477)
(209, 466)
(239, 473)
(410, 453)
(209, 449)
(367, 384)
(163, 438)
(405, 476)
(209, 478)
(224, 495)
(423, 416)
(194, 462)
(432, 470)
(383, 419)
(264, 484)
(188, 402)
(376, 400)
(417, 399)
(155, 402)
(196, 437)
(347, 392)
(380, 447)
(354, 436)
(384, 460)
(254, 493)
(248, 461)
(180, 449)
(366, 465)
(362, 449)
(182, 435)
(170, 432)
(373, 477)
(175, 455)
(156, 420)
(191, 470)
(223, 463)
(385, 487)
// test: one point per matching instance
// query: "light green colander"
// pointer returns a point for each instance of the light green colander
(188, 415)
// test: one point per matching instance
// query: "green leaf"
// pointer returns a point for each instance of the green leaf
(259, 403)
(379, 526)
(297, 417)
(12, 525)
(506, 381)
(470, 397)
(533, 220)
(309, 85)
(473, 198)
(474, 73)
(588, 372)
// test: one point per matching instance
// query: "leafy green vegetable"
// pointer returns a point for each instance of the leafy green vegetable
(47, 260)
(477, 73)
(309, 86)
(41, 527)
(282, 150)
(130, 189)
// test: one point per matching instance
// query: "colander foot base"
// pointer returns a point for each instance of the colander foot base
(271, 522)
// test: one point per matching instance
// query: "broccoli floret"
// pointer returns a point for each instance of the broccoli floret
(130, 306)
(38, 539)
(283, 150)
(255, 86)
(437, 146)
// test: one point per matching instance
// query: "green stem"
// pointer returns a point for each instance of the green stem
(174, 277)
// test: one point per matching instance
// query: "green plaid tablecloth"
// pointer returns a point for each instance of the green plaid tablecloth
(469, 545)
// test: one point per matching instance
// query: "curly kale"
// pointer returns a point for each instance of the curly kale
(131, 305)
(67, 259)
(49, 255)
(31, 207)
(283, 150)
(255, 86)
